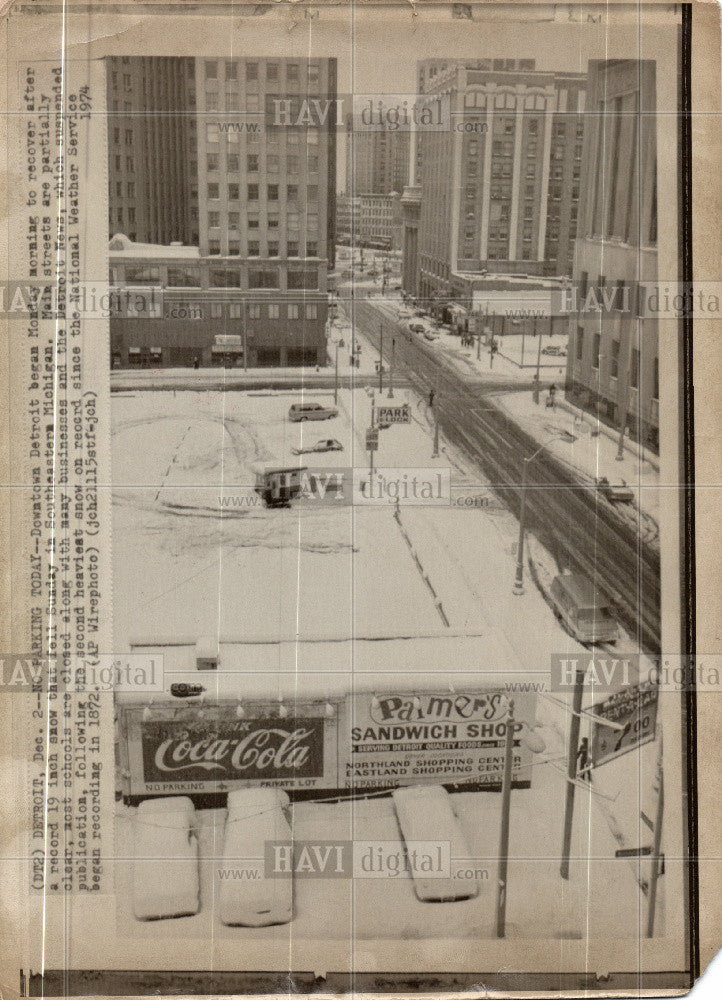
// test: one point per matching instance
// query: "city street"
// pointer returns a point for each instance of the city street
(581, 529)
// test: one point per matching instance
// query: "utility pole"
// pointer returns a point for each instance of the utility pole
(371, 450)
(574, 726)
(519, 578)
(391, 372)
(504, 834)
(538, 364)
(381, 360)
(435, 452)
(657, 845)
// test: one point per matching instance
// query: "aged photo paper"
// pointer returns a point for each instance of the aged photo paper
(360, 479)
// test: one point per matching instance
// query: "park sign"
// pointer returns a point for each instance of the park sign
(633, 714)
(394, 414)
(436, 737)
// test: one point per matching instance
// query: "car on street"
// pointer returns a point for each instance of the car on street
(430, 335)
(311, 411)
(583, 610)
(325, 444)
(615, 492)
(554, 350)
(417, 327)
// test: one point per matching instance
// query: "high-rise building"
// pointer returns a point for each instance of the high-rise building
(613, 357)
(265, 190)
(248, 196)
(152, 148)
(377, 161)
(499, 193)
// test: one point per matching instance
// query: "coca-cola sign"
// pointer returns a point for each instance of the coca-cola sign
(222, 750)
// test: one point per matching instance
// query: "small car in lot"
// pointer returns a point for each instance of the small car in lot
(578, 604)
(615, 492)
(325, 444)
(555, 351)
(311, 411)
(417, 327)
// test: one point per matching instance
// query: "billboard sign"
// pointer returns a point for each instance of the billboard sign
(210, 749)
(437, 737)
(633, 710)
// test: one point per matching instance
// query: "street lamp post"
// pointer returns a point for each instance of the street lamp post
(435, 453)
(518, 588)
(335, 381)
(538, 363)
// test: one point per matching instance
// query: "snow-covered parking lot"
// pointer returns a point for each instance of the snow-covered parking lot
(192, 561)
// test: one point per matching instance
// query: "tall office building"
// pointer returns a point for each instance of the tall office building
(265, 190)
(613, 358)
(377, 162)
(151, 148)
(246, 194)
(499, 194)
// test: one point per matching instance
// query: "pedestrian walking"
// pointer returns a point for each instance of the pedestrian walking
(584, 766)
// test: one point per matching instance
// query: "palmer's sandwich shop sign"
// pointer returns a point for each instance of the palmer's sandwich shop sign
(437, 737)
(213, 750)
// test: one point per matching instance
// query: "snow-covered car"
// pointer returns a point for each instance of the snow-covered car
(325, 444)
(311, 411)
(417, 327)
(555, 350)
(430, 335)
(615, 492)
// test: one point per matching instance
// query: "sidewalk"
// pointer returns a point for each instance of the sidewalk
(586, 445)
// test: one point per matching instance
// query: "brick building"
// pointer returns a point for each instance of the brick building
(173, 305)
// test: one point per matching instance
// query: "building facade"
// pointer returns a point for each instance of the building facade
(500, 195)
(241, 199)
(347, 217)
(613, 358)
(173, 306)
(377, 161)
(265, 190)
(152, 148)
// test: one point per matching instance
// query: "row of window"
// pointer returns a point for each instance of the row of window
(253, 191)
(614, 351)
(252, 71)
(274, 248)
(293, 220)
(504, 99)
(190, 277)
(254, 163)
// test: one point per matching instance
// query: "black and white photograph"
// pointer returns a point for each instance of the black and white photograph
(369, 361)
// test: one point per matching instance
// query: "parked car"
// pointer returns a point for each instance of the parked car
(325, 444)
(555, 350)
(417, 327)
(576, 601)
(615, 492)
(311, 411)
(430, 335)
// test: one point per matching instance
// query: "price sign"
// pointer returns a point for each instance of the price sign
(634, 712)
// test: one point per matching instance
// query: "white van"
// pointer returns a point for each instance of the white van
(311, 411)
(585, 612)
